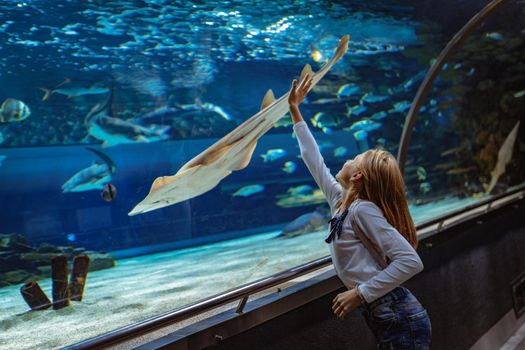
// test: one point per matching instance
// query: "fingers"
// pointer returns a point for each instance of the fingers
(305, 84)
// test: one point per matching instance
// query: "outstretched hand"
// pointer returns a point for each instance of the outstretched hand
(298, 93)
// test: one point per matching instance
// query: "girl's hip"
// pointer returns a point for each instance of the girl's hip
(398, 321)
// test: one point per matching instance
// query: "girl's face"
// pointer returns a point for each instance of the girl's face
(349, 172)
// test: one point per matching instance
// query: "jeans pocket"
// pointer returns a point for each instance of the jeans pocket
(383, 321)
(383, 313)
(420, 328)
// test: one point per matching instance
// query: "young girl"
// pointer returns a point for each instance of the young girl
(370, 190)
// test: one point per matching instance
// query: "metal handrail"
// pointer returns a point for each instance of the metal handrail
(434, 71)
(243, 292)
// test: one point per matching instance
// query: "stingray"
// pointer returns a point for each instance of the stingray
(230, 153)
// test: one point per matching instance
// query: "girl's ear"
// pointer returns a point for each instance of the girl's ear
(356, 176)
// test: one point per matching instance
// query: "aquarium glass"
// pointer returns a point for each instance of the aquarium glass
(101, 98)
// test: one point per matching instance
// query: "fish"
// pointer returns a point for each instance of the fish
(73, 91)
(421, 173)
(323, 101)
(283, 122)
(348, 90)
(231, 153)
(289, 167)
(13, 111)
(361, 137)
(494, 36)
(317, 56)
(504, 157)
(400, 106)
(340, 151)
(379, 115)
(364, 124)
(112, 131)
(248, 190)
(301, 190)
(356, 110)
(94, 177)
(425, 187)
(372, 98)
(71, 237)
(288, 201)
(273, 154)
(321, 120)
(519, 94)
(306, 223)
(109, 192)
(205, 106)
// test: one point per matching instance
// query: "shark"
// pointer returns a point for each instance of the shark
(112, 131)
(232, 152)
(504, 158)
(93, 177)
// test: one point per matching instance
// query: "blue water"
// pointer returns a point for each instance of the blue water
(163, 55)
(189, 73)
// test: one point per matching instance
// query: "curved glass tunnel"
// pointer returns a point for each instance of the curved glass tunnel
(101, 98)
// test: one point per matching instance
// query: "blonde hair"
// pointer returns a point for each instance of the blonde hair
(382, 183)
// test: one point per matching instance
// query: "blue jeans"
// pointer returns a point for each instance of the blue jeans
(398, 321)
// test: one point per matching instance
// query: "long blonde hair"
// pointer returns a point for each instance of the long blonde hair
(382, 183)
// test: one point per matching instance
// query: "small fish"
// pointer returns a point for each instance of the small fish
(519, 94)
(400, 106)
(348, 90)
(302, 190)
(361, 137)
(365, 124)
(323, 101)
(2, 158)
(71, 237)
(371, 98)
(109, 192)
(326, 130)
(471, 71)
(205, 106)
(73, 91)
(273, 154)
(379, 115)
(13, 111)
(425, 187)
(283, 122)
(325, 144)
(248, 190)
(321, 120)
(494, 36)
(288, 201)
(340, 151)
(356, 110)
(421, 173)
(289, 167)
(317, 56)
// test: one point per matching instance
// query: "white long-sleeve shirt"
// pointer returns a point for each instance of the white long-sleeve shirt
(352, 261)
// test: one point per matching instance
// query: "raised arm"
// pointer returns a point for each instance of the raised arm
(309, 149)
(404, 260)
